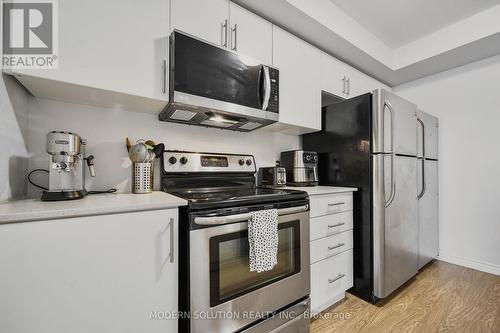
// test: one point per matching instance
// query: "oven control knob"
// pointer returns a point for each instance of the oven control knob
(241, 162)
(172, 160)
(308, 158)
(183, 160)
(249, 162)
(315, 158)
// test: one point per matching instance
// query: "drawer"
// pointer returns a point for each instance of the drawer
(330, 203)
(328, 225)
(329, 279)
(330, 246)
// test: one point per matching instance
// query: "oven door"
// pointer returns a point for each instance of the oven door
(221, 283)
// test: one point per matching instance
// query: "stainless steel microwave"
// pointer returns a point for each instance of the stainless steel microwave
(215, 87)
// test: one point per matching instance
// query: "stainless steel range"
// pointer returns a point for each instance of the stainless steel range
(216, 287)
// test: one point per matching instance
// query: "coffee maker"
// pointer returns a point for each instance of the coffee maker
(301, 167)
(66, 166)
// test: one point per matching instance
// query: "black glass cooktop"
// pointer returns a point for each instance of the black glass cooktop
(238, 196)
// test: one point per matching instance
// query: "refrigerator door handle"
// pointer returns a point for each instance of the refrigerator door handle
(391, 111)
(423, 135)
(393, 184)
(422, 193)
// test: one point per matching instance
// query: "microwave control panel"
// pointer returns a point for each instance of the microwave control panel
(274, 100)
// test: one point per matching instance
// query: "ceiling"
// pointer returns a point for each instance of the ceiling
(394, 41)
(399, 22)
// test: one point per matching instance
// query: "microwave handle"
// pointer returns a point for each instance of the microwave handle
(259, 85)
(267, 88)
(215, 220)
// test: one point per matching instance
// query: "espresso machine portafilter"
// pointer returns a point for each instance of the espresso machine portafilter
(66, 166)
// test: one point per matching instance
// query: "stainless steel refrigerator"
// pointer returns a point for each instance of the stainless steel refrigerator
(370, 142)
(428, 190)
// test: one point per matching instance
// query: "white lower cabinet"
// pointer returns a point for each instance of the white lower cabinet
(331, 248)
(105, 273)
(327, 225)
(330, 279)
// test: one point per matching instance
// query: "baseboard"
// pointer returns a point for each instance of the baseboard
(477, 265)
(327, 305)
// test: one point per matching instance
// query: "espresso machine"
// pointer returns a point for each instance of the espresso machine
(66, 166)
(301, 167)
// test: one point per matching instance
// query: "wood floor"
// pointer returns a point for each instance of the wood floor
(441, 298)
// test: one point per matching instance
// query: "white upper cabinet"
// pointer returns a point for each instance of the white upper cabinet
(342, 80)
(226, 24)
(250, 34)
(333, 75)
(112, 45)
(205, 19)
(299, 64)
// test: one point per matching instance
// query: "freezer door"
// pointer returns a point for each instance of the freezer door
(428, 211)
(395, 222)
(427, 135)
(394, 120)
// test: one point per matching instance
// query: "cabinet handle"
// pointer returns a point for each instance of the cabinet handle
(336, 225)
(340, 276)
(235, 44)
(163, 76)
(336, 246)
(172, 240)
(336, 204)
(343, 85)
(348, 83)
(223, 33)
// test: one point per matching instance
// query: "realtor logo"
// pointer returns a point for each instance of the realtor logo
(29, 34)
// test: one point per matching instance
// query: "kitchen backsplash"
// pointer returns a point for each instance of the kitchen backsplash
(106, 129)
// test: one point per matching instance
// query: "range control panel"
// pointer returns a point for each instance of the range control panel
(181, 161)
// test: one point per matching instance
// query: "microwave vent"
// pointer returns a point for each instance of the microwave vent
(250, 126)
(183, 115)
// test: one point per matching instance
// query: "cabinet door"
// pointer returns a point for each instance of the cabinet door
(89, 274)
(300, 88)
(333, 75)
(359, 83)
(369, 84)
(250, 34)
(205, 19)
(114, 45)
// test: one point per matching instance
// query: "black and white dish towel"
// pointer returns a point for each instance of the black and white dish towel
(263, 240)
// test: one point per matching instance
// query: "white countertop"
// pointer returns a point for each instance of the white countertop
(34, 210)
(317, 190)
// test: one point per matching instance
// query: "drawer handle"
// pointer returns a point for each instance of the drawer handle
(336, 225)
(336, 246)
(336, 204)
(336, 279)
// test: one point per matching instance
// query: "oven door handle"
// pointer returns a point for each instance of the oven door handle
(214, 220)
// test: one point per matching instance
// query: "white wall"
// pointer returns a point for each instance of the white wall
(105, 131)
(467, 102)
(13, 138)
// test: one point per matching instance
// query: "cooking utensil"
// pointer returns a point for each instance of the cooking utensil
(128, 143)
(138, 153)
(158, 149)
(151, 156)
(150, 143)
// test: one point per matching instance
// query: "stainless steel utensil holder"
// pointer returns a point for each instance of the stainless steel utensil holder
(142, 177)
